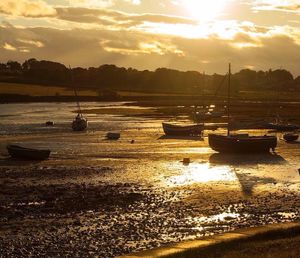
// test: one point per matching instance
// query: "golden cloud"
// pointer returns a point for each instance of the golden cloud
(26, 8)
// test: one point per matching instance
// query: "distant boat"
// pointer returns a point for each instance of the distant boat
(182, 130)
(79, 123)
(16, 151)
(240, 143)
(290, 137)
(113, 135)
(279, 126)
(49, 123)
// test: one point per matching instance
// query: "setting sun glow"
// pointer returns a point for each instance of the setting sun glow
(204, 10)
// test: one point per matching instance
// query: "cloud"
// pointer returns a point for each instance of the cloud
(93, 47)
(9, 47)
(107, 17)
(31, 42)
(134, 2)
(271, 5)
(92, 3)
(26, 8)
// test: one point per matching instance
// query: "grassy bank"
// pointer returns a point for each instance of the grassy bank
(276, 241)
(280, 244)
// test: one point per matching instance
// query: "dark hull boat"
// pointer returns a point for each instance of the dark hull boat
(290, 137)
(113, 136)
(16, 151)
(242, 143)
(79, 123)
(182, 130)
(282, 127)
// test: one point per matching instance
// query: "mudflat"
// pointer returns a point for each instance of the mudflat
(96, 197)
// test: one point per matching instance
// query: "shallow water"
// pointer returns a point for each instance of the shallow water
(163, 200)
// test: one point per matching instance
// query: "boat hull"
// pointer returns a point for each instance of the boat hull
(19, 152)
(180, 130)
(242, 144)
(290, 137)
(282, 127)
(79, 124)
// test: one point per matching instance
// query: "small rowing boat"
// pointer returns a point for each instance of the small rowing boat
(182, 130)
(19, 152)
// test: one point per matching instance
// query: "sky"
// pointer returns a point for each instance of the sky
(199, 35)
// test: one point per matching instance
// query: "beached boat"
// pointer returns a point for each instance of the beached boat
(79, 123)
(290, 137)
(182, 130)
(279, 126)
(17, 151)
(240, 143)
(113, 135)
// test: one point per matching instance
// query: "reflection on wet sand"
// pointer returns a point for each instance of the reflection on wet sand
(199, 173)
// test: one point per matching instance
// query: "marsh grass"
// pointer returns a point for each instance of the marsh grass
(278, 244)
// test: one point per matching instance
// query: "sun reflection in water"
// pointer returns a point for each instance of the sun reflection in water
(200, 173)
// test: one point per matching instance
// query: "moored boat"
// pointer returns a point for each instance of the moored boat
(113, 135)
(182, 130)
(20, 152)
(240, 143)
(282, 127)
(290, 137)
(79, 123)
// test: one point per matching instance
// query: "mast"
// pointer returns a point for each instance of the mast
(228, 100)
(75, 92)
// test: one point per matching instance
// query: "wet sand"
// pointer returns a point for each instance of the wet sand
(96, 197)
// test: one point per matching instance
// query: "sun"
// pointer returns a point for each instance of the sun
(204, 10)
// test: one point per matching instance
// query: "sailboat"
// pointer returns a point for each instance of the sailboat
(240, 143)
(79, 123)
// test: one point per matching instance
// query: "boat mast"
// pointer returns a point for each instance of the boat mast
(75, 91)
(228, 100)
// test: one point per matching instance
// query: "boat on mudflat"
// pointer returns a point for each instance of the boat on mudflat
(79, 123)
(182, 130)
(20, 152)
(242, 143)
(290, 137)
(282, 127)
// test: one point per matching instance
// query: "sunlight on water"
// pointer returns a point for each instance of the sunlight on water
(200, 173)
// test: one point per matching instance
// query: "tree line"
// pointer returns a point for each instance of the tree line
(162, 80)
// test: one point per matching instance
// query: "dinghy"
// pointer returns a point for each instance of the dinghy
(20, 152)
(182, 130)
(290, 137)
